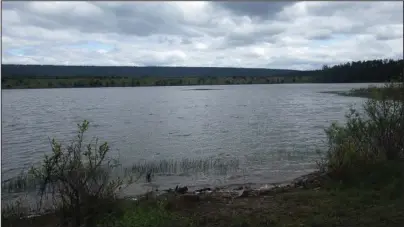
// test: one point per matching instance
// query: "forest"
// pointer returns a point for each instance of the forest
(380, 70)
(48, 76)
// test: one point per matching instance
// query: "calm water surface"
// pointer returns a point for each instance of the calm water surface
(273, 130)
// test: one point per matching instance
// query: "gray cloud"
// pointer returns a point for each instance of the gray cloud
(259, 10)
(125, 18)
(296, 35)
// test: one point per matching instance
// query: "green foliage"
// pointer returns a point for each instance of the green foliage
(379, 70)
(370, 137)
(78, 177)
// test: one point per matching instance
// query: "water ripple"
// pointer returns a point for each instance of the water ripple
(272, 129)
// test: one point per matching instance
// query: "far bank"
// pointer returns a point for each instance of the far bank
(43, 76)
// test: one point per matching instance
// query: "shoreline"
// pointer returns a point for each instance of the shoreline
(300, 181)
(232, 191)
(185, 85)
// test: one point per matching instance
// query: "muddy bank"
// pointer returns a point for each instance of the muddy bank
(183, 194)
(311, 180)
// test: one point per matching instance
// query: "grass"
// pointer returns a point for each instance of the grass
(21, 183)
(25, 182)
(369, 92)
(185, 165)
(374, 198)
(333, 204)
(145, 215)
(377, 199)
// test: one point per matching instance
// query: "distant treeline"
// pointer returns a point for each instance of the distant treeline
(381, 70)
(107, 81)
(45, 76)
(40, 71)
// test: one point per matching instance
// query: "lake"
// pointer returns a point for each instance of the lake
(274, 130)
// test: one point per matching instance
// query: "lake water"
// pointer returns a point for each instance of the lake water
(274, 130)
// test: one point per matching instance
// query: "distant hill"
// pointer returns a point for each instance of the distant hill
(51, 76)
(11, 70)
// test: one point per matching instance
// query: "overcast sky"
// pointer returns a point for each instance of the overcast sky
(291, 35)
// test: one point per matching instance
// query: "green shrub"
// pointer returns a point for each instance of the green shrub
(78, 178)
(369, 137)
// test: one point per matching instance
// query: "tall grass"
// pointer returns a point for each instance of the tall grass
(26, 182)
(185, 165)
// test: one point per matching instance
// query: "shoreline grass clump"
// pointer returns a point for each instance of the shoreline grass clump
(388, 91)
(185, 165)
(23, 182)
(27, 182)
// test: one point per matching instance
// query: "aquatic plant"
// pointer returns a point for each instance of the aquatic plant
(219, 166)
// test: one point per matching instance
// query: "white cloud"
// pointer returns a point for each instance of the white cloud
(294, 35)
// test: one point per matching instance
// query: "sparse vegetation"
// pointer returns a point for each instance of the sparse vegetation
(27, 182)
(184, 166)
(13, 211)
(390, 91)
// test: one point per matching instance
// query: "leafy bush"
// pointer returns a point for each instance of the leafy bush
(369, 137)
(78, 178)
